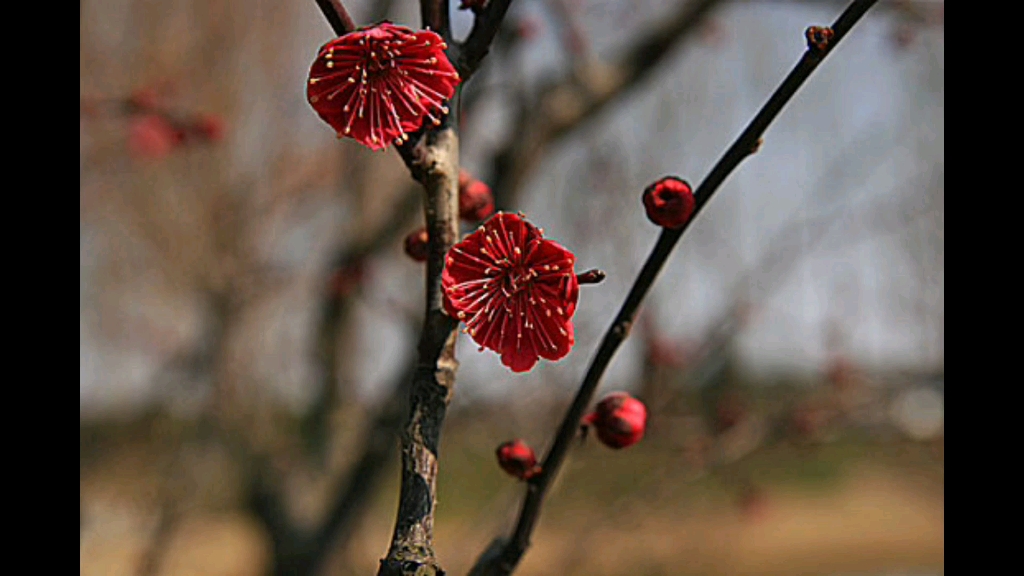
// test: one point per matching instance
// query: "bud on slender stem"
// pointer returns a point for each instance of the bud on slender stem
(669, 202)
(518, 459)
(619, 420)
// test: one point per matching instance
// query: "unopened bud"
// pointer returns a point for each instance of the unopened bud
(518, 459)
(417, 245)
(669, 202)
(476, 203)
(619, 420)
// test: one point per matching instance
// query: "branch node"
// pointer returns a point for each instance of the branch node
(818, 37)
(621, 329)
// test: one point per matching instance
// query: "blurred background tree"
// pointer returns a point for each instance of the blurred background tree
(248, 317)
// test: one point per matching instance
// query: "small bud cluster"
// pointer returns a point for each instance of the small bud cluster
(154, 131)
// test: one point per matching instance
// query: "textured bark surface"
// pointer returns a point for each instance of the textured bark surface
(435, 163)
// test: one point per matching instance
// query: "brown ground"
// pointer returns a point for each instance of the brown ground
(875, 520)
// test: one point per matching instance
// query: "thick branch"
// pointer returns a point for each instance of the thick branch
(744, 145)
(435, 163)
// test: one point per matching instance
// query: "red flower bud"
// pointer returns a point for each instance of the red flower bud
(476, 203)
(620, 420)
(417, 245)
(518, 459)
(669, 202)
(211, 127)
(151, 136)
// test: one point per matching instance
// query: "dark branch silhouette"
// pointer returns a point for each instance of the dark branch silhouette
(748, 141)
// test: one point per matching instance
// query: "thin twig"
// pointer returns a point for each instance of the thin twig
(336, 16)
(743, 147)
(478, 43)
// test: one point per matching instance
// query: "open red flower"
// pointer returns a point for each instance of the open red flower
(379, 83)
(515, 291)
